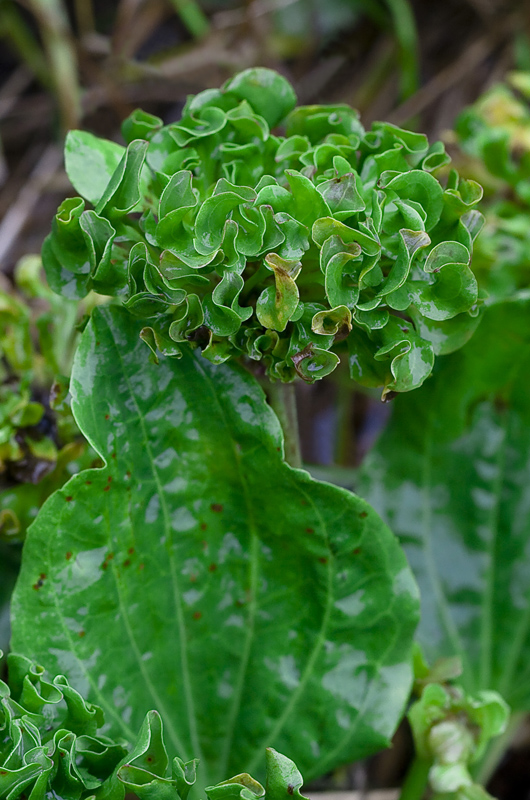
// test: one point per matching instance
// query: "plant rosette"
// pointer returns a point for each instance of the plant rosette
(53, 746)
(287, 249)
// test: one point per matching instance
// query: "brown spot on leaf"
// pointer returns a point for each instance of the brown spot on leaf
(109, 479)
(81, 634)
(106, 488)
(107, 416)
(128, 473)
(309, 530)
(68, 555)
(127, 562)
(323, 560)
(203, 526)
(356, 551)
(290, 789)
(130, 550)
(69, 498)
(197, 615)
(88, 483)
(113, 455)
(363, 514)
(141, 566)
(193, 578)
(217, 507)
(212, 567)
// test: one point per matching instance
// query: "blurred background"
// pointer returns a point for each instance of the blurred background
(89, 63)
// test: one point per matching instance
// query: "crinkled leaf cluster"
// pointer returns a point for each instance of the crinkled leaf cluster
(51, 745)
(40, 446)
(494, 134)
(281, 249)
(496, 130)
(451, 730)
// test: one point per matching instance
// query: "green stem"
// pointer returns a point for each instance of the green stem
(484, 769)
(192, 16)
(14, 28)
(343, 443)
(416, 779)
(55, 31)
(407, 36)
(282, 400)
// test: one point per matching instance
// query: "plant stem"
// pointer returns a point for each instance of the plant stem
(282, 400)
(407, 36)
(416, 779)
(55, 31)
(484, 769)
(192, 16)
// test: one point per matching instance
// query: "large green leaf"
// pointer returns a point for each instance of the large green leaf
(451, 476)
(199, 574)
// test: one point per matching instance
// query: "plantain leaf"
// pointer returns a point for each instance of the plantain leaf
(199, 574)
(451, 476)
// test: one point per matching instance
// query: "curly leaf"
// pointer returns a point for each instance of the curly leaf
(180, 626)
(269, 94)
(277, 304)
(122, 192)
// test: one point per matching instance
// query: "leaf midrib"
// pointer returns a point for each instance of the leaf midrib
(183, 650)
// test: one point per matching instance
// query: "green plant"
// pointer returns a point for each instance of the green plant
(40, 444)
(284, 250)
(52, 745)
(196, 572)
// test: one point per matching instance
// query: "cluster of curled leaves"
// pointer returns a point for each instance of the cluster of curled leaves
(452, 728)
(494, 135)
(496, 130)
(40, 443)
(281, 249)
(51, 745)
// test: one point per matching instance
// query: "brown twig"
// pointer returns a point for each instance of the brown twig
(19, 213)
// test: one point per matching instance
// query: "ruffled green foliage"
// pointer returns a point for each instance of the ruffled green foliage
(53, 746)
(451, 731)
(40, 444)
(496, 131)
(494, 134)
(286, 249)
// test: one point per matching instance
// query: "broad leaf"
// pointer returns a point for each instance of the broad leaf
(90, 163)
(198, 574)
(451, 477)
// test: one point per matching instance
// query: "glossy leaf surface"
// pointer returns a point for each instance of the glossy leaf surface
(360, 213)
(198, 574)
(451, 476)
